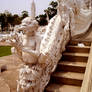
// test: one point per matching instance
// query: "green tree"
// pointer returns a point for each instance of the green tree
(24, 14)
(16, 20)
(51, 11)
(7, 19)
(54, 4)
(42, 19)
(3, 21)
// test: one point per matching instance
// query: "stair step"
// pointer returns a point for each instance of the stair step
(76, 54)
(72, 66)
(75, 42)
(82, 57)
(69, 78)
(70, 71)
(78, 49)
(62, 88)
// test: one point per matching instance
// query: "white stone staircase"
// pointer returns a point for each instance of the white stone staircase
(70, 71)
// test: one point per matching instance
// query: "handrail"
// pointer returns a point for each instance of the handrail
(87, 82)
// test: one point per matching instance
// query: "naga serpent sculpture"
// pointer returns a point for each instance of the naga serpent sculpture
(40, 53)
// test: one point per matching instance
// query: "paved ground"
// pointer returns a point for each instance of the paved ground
(3, 86)
(4, 44)
(8, 78)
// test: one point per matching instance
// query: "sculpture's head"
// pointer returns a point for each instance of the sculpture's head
(29, 25)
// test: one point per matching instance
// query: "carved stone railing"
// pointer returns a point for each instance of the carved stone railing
(87, 82)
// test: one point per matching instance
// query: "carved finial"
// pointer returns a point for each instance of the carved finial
(33, 9)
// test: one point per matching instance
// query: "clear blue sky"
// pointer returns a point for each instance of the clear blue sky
(17, 6)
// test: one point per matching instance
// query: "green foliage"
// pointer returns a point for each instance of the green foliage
(54, 4)
(24, 14)
(16, 20)
(5, 50)
(7, 19)
(42, 19)
(51, 11)
(3, 20)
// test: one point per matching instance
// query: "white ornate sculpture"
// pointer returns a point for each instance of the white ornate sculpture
(40, 52)
(82, 16)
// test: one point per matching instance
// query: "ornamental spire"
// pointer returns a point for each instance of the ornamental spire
(33, 9)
